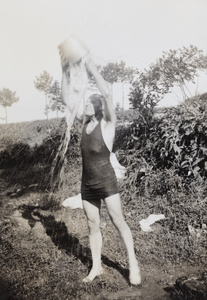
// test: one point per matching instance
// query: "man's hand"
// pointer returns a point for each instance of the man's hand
(63, 60)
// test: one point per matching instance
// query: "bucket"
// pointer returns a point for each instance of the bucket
(72, 49)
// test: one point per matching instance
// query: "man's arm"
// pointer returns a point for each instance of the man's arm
(64, 87)
(104, 89)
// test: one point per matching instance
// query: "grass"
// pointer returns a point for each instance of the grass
(44, 247)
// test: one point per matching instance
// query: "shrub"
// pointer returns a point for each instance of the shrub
(16, 155)
(176, 141)
(182, 142)
(168, 154)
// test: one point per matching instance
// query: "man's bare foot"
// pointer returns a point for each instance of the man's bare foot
(135, 275)
(93, 273)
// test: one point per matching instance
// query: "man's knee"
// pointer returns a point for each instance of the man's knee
(94, 225)
(117, 219)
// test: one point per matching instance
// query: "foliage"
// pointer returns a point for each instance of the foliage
(181, 66)
(113, 73)
(182, 143)
(17, 154)
(117, 72)
(43, 84)
(55, 102)
(175, 67)
(146, 92)
(125, 117)
(7, 98)
(175, 142)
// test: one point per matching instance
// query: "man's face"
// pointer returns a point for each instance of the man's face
(89, 108)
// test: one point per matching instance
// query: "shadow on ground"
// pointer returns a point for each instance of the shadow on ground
(63, 240)
(26, 178)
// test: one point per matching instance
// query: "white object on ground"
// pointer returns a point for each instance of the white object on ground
(73, 202)
(145, 223)
(119, 169)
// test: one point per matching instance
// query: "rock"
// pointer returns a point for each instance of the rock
(192, 287)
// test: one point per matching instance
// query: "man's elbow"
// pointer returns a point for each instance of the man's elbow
(107, 95)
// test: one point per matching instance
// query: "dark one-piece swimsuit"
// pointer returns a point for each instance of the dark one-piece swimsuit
(98, 177)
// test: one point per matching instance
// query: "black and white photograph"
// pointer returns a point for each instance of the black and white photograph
(103, 150)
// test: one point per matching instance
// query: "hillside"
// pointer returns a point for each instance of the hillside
(31, 133)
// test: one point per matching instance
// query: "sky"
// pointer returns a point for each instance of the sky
(135, 31)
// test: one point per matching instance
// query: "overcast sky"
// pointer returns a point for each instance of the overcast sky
(136, 31)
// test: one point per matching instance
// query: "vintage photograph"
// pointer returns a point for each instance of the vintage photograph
(103, 150)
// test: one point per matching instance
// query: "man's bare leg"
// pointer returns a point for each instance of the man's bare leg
(113, 204)
(92, 210)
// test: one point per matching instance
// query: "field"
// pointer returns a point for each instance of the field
(44, 249)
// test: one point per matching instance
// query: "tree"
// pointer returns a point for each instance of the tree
(147, 90)
(43, 84)
(54, 95)
(176, 67)
(125, 75)
(7, 98)
(117, 72)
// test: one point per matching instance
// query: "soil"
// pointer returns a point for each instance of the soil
(45, 254)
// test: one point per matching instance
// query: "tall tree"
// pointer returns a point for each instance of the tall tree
(54, 95)
(117, 72)
(176, 67)
(7, 98)
(125, 75)
(43, 84)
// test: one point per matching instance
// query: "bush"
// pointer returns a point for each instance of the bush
(175, 141)
(16, 155)
(166, 157)
(182, 142)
